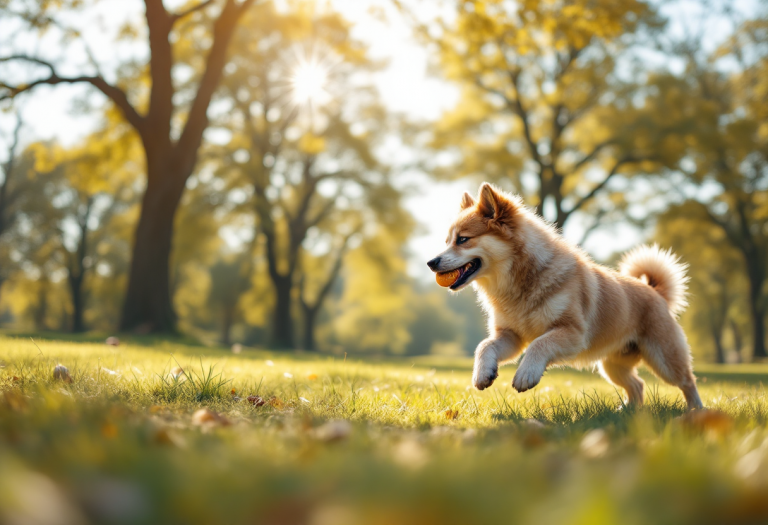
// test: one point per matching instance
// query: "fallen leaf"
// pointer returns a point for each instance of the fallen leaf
(707, 421)
(595, 443)
(451, 413)
(233, 392)
(61, 373)
(109, 430)
(166, 436)
(276, 402)
(256, 401)
(207, 417)
(335, 430)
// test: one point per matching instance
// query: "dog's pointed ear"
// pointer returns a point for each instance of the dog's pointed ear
(489, 201)
(467, 201)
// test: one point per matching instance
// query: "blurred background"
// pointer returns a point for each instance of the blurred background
(277, 173)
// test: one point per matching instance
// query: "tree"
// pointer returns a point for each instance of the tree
(170, 149)
(10, 194)
(302, 150)
(718, 286)
(542, 104)
(728, 151)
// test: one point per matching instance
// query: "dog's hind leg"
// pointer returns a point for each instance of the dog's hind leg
(665, 350)
(621, 370)
(500, 347)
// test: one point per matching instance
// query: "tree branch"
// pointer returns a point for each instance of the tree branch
(624, 160)
(114, 93)
(197, 121)
(178, 16)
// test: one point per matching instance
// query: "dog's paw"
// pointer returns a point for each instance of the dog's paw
(485, 377)
(527, 376)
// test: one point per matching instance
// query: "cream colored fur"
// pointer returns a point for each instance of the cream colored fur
(546, 297)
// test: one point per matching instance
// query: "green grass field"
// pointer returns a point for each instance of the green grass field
(351, 441)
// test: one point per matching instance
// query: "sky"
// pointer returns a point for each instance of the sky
(405, 85)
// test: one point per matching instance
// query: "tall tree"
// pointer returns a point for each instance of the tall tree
(543, 108)
(170, 148)
(302, 146)
(727, 150)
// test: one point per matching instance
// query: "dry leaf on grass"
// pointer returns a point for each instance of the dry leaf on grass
(335, 430)
(207, 417)
(707, 421)
(451, 413)
(166, 436)
(256, 401)
(276, 402)
(61, 373)
(595, 443)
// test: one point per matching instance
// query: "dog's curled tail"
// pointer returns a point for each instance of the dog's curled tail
(660, 269)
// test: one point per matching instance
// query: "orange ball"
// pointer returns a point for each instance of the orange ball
(446, 279)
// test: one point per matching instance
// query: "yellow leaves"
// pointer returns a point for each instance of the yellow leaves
(312, 144)
(451, 414)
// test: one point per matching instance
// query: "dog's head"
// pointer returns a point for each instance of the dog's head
(479, 238)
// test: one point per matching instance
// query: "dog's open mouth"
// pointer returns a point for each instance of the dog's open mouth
(454, 279)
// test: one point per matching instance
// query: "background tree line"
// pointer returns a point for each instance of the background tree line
(218, 199)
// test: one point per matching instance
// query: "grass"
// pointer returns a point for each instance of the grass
(350, 441)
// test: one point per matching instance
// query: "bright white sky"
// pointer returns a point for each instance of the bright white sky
(405, 87)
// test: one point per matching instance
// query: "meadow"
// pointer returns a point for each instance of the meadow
(162, 432)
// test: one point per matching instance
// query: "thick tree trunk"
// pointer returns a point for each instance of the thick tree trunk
(756, 274)
(736, 340)
(227, 316)
(310, 316)
(148, 306)
(78, 304)
(282, 324)
(718, 340)
(758, 327)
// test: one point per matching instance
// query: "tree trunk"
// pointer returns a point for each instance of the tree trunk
(736, 340)
(282, 325)
(228, 314)
(756, 274)
(78, 304)
(310, 315)
(148, 306)
(717, 338)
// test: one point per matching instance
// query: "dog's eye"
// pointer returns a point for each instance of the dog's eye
(461, 240)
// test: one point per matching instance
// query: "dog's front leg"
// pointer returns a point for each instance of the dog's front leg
(559, 343)
(501, 346)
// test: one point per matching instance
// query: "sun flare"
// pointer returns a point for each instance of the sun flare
(309, 80)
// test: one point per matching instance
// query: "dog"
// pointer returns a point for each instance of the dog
(546, 296)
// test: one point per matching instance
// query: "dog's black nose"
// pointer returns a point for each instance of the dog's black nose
(433, 263)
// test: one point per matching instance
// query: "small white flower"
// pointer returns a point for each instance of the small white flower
(270, 363)
(288, 375)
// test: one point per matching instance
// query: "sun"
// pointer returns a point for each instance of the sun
(309, 80)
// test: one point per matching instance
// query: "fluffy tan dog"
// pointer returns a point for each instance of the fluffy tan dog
(546, 296)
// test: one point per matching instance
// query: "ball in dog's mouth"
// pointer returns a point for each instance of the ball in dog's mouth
(455, 278)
